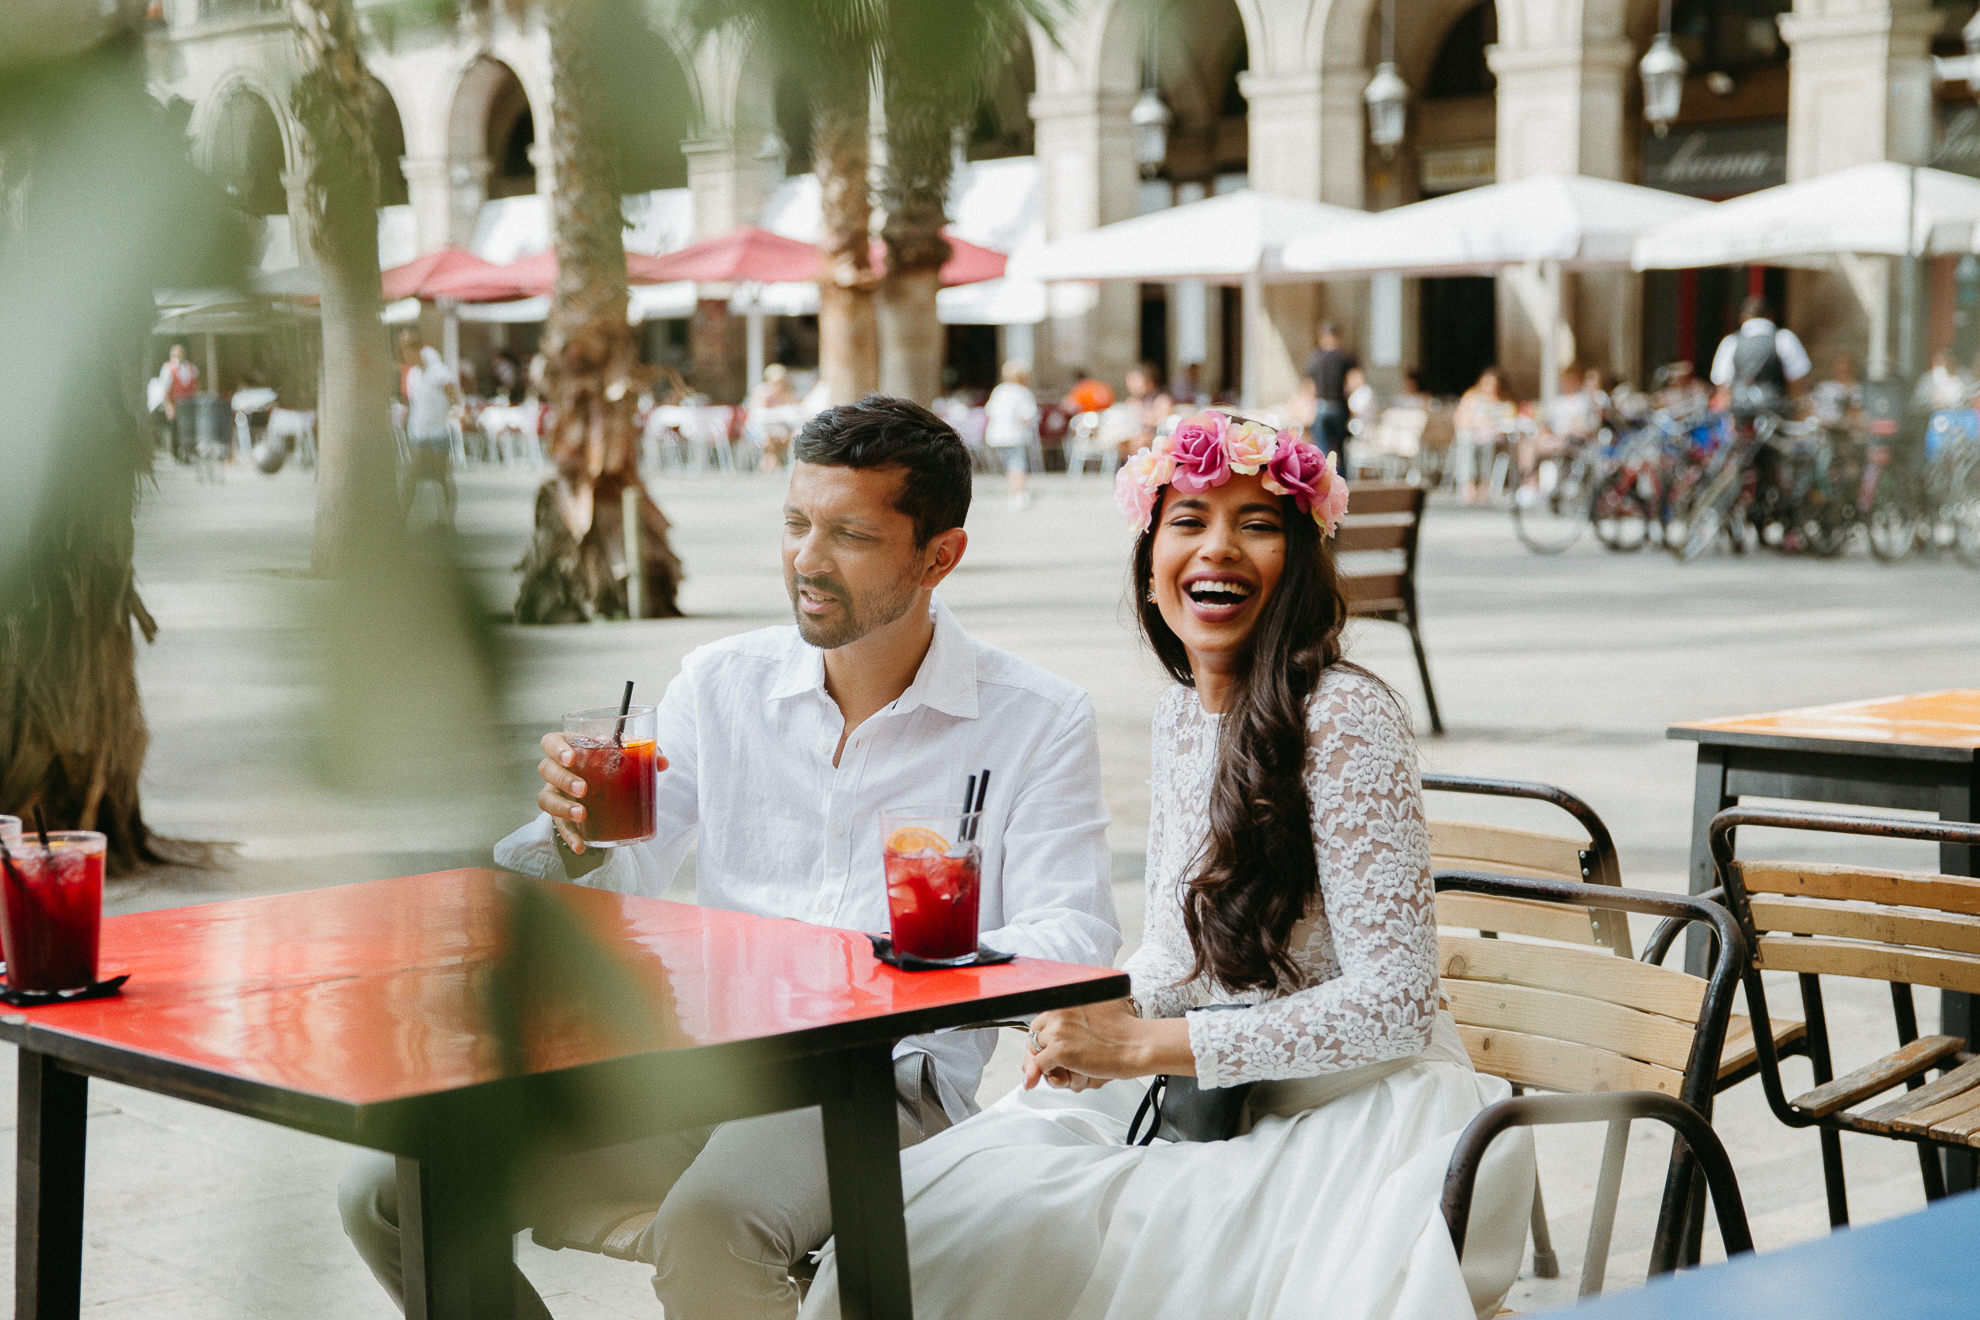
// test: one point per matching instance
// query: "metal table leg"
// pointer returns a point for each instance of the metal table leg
(456, 1250)
(48, 1190)
(862, 1159)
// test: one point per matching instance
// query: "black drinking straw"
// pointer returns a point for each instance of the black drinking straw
(41, 825)
(982, 791)
(619, 729)
(7, 860)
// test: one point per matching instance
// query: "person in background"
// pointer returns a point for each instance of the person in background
(774, 397)
(1758, 362)
(1942, 386)
(1088, 394)
(1187, 387)
(506, 374)
(409, 346)
(1364, 409)
(181, 380)
(1679, 392)
(1329, 367)
(1010, 426)
(1141, 397)
(1411, 395)
(1839, 398)
(432, 390)
(1573, 418)
(1481, 416)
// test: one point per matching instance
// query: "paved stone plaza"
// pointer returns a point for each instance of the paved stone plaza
(1564, 669)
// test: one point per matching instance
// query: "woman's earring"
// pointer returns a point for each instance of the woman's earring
(1151, 596)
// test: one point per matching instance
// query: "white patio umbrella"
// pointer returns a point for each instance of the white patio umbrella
(1529, 230)
(1233, 239)
(1880, 208)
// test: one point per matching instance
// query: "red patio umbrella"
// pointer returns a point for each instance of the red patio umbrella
(968, 263)
(526, 277)
(746, 254)
(412, 279)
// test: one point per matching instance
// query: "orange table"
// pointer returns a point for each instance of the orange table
(1919, 753)
(358, 1013)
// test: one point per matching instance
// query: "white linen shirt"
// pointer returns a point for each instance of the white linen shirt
(1787, 346)
(748, 731)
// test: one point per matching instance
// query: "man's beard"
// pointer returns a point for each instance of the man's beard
(854, 618)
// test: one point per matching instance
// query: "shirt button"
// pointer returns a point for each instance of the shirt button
(838, 829)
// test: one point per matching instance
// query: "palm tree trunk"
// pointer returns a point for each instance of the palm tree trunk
(356, 463)
(848, 331)
(576, 566)
(919, 138)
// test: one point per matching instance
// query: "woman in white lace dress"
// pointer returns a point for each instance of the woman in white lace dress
(1288, 870)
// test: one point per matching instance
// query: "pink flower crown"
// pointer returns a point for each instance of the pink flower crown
(1204, 450)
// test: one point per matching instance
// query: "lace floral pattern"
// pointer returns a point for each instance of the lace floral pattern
(1367, 952)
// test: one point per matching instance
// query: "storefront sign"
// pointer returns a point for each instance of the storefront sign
(1453, 169)
(1718, 161)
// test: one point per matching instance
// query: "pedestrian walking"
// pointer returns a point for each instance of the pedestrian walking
(1010, 427)
(1329, 367)
(432, 390)
(181, 380)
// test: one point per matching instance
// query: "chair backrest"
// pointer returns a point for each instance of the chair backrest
(1905, 927)
(1382, 516)
(1466, 846)
(1583, 1020)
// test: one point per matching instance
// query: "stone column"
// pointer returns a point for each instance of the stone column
(541, 159)
(1306, 139)
(729, 185)
(1561, 110)
(1087, 175)
(436, 212)
(295, 184)
(1859, 89)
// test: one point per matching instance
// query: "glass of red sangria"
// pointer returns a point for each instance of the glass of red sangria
(615, 759)
(51, 909)
(934, 867)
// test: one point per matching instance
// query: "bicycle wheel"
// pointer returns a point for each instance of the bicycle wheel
(1893, 531)
(1620, 513)
(1550, 518)
(1711, 514)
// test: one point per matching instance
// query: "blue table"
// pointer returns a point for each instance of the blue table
(1919, 1267)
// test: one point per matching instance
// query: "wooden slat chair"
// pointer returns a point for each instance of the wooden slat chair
(1903, 928)
(1385, 516)
(1619, 1038)
(1466, 846)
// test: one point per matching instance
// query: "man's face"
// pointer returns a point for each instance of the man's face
(178, 353)
(850, 561)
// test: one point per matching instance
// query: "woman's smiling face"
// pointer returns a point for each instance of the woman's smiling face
(1215, 561)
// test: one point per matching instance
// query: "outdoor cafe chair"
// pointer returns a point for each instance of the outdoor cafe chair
(1384, 518)
(1905, 928)
(1469, 846)
(1618, 1040)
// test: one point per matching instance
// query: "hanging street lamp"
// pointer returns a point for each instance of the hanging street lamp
(1662, 70)
(1387, 94)
(1150, 118)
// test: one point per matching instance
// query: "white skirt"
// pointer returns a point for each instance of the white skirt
(1327, 1206)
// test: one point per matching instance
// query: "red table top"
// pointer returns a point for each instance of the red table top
(372, 992)
(1926, 719)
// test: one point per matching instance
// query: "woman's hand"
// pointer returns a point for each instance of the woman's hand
(562, 789)
(1081, 1048)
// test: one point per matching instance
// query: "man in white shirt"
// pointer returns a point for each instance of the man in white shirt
(432, 390)
(1758, 361)
(781, 747)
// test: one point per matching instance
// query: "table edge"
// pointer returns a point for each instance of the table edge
(1784, 742)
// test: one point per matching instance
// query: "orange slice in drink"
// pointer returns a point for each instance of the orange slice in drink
(914, 839)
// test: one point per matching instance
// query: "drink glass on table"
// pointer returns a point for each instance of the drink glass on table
(51, 910)
(934, 867)
(614, 756)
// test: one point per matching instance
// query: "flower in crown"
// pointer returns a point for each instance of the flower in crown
(1201, 455)
(1206, 449)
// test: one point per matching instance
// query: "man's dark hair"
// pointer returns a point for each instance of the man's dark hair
(879, 432)
(1755, 307)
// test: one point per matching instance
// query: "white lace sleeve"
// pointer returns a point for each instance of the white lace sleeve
(1160, 967)
(1371, 955)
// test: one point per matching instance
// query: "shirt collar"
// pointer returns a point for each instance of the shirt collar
(1756, 325)
(946, 680)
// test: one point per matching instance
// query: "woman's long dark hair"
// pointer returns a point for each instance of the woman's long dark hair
(1257, 873)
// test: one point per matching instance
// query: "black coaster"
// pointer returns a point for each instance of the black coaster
(883, 949)
(42, 998)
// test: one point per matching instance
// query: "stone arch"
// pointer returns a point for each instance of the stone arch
(388, 144)
(491, 124)
(1003, 126)
(1198, 48)
(246, 143)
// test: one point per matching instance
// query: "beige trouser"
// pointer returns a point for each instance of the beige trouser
(743, 1202)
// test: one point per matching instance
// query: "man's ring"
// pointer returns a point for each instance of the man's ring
(1035, 1044)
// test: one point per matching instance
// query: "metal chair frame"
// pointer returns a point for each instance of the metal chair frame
(1723, 833)
(1688, 1114)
